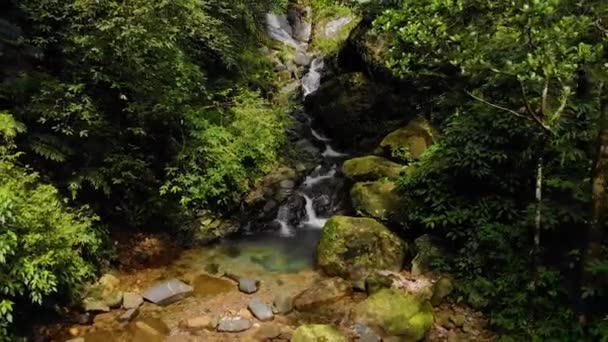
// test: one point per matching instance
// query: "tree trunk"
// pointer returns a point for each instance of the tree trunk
(599, 207)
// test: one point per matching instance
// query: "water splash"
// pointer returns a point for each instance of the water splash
(312, 80)
(312, 180)
(319, 136)
(331, 153)
(312, 220)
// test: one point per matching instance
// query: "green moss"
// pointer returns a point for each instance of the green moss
(414, 138)
(397, 314)
(318, 333)
(350, 244)
(379, 200)
(371, 168)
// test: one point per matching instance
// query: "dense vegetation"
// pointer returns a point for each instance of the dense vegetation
(139, 114)
(519, 90)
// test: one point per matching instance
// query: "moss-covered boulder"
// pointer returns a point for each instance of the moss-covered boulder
(428, 251)
(350, 244)
(409, 142)
(318, 333)
(394, 313)
(379, 200)
(370, 168)
(355, 110)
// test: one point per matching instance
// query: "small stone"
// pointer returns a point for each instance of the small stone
(467, 328)
(282, 304)
(74, 331)
(83, 319)
(149, 330)
(77, 339)
(233, 325)
(260, 310)
(168, 292)
(458, 319)
(248, 285)
(441, 290)
(199, 323)
(109, 281)
(131, 300)
(270, 206)
(302, 59)
(94, 305)
(268, 332)
(128, 315)
(287, 184)
(366, 334)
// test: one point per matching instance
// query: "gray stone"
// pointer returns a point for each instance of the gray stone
(248, 285)
(282, 304)
(131, 300)
(287, 184)
(260, 310)
(302, 58)
(270, 206)
(168, 292)
(128, 315)
(94, 305)
(233, 324)
(366, 334)
(335, 26)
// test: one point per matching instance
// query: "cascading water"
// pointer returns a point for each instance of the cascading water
(312, 80)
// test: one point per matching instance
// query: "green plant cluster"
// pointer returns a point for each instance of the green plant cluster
(518, 89)
(141, 113)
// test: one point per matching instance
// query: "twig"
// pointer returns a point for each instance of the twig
(497, 106)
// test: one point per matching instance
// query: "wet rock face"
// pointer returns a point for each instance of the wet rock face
(331, 197)
(353, 109)
(350, 244)
(396, 314)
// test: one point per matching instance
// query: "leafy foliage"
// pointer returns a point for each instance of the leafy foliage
(521, 84)
(44, 246)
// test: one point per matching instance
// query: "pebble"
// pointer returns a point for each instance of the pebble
(233, 325)
(260, 310)
(248, 285)
(128, 315)
(131, 300)
(282, 304)
(168, 292)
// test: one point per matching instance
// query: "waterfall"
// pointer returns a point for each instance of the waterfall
(312, 80)
(312, 220)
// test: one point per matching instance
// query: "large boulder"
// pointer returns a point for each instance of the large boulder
(354, 109)
(409, 142)
(318, 333)
(379, 200)
(371, 168)
(397, 314)
(351, 244)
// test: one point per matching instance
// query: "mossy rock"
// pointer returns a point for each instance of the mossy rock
(428, 251)
(351, 244)
(396, 314)
(408, 142)
(318, 333)
(356, 110)
(379, 200)
(371, 168)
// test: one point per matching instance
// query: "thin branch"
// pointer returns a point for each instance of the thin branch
(497, 106)
(543, 108)
(532, 116)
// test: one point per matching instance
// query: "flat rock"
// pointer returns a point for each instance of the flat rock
(302, 59)
(168, 292)
(282, 304)
(324, 292)
(128, 315)
(131, 300)
(233, 325)
(268, 332)
(199, 323)
(260, 310)
(94, 305)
